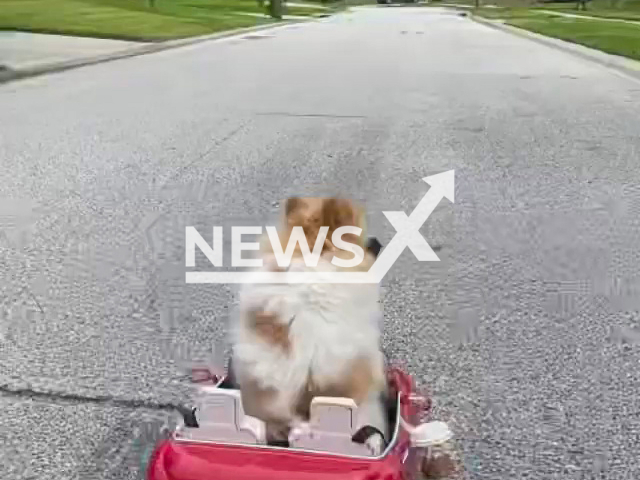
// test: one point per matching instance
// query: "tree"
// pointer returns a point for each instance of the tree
(275, 9)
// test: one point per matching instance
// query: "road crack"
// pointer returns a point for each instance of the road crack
(77, 399)
(308, 115)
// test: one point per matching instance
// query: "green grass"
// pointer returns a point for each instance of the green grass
(618, 38)
(612, 37)
(506, 13)
(623, 9)
(133, 19)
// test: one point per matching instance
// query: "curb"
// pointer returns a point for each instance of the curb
(8, 74)
(616, 62)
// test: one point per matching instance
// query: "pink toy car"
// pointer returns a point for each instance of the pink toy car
(217, 441)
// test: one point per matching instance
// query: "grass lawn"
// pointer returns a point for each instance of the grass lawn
(133, 19)
(611, 37)
(624, 9)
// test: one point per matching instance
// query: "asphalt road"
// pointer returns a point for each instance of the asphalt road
(527, 332)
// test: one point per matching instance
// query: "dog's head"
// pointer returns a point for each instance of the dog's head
(313, 213)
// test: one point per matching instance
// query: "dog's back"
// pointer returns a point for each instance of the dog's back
(296, 341)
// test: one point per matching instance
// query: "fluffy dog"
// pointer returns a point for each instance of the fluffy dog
(293, 342)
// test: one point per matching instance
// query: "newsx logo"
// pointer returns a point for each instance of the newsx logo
(283, 257)
(407, 235)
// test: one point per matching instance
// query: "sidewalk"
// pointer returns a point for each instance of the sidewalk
(307, 5)
(23, 50)
(25, 54)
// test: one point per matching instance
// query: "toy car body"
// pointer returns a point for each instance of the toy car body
(228, 445)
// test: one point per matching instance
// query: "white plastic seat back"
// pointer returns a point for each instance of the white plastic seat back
(221, 418)
(335, 414)
(333, 423)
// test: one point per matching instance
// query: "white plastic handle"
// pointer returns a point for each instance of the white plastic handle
(428, 434)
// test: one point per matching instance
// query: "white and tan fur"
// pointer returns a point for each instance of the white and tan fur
(292, 342)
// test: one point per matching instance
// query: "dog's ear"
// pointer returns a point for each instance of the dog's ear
(338, 212)
(292, 204)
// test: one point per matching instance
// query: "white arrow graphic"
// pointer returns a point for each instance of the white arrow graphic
(407, 235)
(408, 228)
